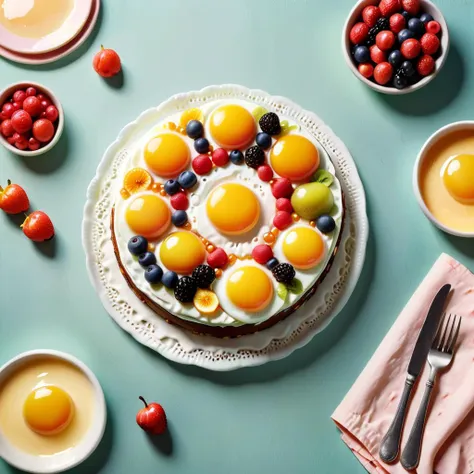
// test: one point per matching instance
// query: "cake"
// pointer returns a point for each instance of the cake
(229, 218)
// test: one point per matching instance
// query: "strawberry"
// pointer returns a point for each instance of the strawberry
(411, 6)
(429, 43)
(370, 15)
(359, 33)
(425, 65)
(38, 227)
(13, 199)
(389, 7)
(397, 22)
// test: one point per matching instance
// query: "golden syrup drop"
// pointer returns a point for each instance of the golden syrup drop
(171, 126)
(187, 226)
(271, 182)
(211, 149)
(312, 223)
(181, 130)
(151, 247)
(210, 248)
(295, 217)
(275, 231)
(218, 273)
(232, 259)
(163, 192)
(124, 193)
(269, 238)
(156, 188)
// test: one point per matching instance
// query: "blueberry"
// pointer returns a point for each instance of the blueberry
(325, 224)
(264, 140)
(426, 17)
(201, 145)
(179, 218)
(404, 35)
(362, 54)
(146, 259)
(153, 274)
(237, 157)
(272, 263)
(406, 15)
(169, 279)
(408, 68)
(400, 81)
(417, 26)
(172, 187)
(187, 179)
(194, 129)
(137, 245)
(395, 58)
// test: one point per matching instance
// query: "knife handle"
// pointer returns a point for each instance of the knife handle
(390, 446)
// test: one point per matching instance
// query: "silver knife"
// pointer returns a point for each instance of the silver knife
(390, 446)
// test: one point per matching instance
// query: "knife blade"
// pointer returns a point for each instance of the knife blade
(390, 446)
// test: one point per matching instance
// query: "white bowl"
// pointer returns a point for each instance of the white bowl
(441, 133)
(8, 92)
(353, 18)
(72, 457)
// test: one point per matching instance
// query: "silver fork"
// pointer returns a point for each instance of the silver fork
(440, 357)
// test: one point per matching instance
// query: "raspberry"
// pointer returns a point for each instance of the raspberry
(389, 7)
(185, 289)
(265, 173)
(254, 157)
(411, 6)
(179, 201)
(262, 254)
(411, 48)
(270, 123)
(385, 40)
(429, 43)
(204, 276)
(370, 15)
(220, 157)
(284, 204)
(383, 73)
(281, 188)
(202, 164)
(397, 22)
(377, 55)
(218, 258)
(282, 220)
(366, 69)
(284, 273)
(433, 27)
(359, 33)
(425, 65)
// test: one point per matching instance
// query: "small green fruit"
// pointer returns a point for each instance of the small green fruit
(312, 200)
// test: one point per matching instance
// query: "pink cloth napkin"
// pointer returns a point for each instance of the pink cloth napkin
(368, 409)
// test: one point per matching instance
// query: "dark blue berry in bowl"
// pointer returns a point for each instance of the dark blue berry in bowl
(137, 245)
(325, 224)
(179, 218)
(400, 81)
(172, 187)
(169, 279)
(264, 140)
(395, 58)
(194, 129)
(187, 179)
(362, 54)
(237, 157)
(153, 274)
(201, 145)
(272, 263)
(408, 68)
(404, 35)
(426, 17)
(146, 259)
(417, 26)
(406, 15)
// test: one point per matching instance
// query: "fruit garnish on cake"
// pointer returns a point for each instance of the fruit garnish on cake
(229, 218)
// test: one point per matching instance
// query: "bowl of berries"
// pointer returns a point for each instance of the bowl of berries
(31, 119)
(395, 46)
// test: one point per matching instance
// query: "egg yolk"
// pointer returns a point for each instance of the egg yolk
(303, 247)
(48, 410)
(233, 208)
(148, 215)
(458, 178)
(294, 157)
(182, 252)
(232, 126)
(167, 155)
(250, 288)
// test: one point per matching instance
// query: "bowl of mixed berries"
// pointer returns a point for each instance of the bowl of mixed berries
(395, 46)
(31, 119)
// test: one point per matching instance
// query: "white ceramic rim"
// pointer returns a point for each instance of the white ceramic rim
(442, 132)
(74, 456)
(65, 33)
(8, 91)
(430, 8)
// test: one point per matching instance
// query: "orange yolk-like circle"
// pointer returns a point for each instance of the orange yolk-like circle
(182, 252)
(232, 126)
(167, 155)
(458, 178)
(303, 247)
(294, 157)
(148, 215)
(249, 288)
(233, 208)
(48, 410)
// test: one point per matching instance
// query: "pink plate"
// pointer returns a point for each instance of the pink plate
(45, 58)
(72, 25)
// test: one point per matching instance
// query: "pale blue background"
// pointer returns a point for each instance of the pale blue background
(275, 418)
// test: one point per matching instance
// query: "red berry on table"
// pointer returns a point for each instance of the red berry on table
(389, 7)
(7, 128)
(359, 33)
(397, 22)
(179, 201)
(265, 173)
(43, 130)
(31, 91)
(284, 204)
(8, 110)
(425, 65)
(21, 121)
(152, 418)
(370, 15)
(433, 27)
(282, 187)
(383, 73)
(38, 227)
(13, 199)
(262, 254)
(202, 164)
(366, 69)
(377, 55)
(217, 258)
(32, 105)
(385, 40)
(19, 97)
(52, 113)
(220, 157)
(411, 6)
(282, 220)
(411, 48)
(429, 43)
(33, 144)
(107, 63)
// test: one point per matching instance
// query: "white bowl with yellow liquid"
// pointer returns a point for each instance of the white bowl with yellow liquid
(441, 199)
(21, 445)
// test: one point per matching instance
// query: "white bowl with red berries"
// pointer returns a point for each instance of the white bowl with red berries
(395, 46)
(31, 119)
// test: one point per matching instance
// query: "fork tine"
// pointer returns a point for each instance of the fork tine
(452, 345)
(443, 337)
(448, 341)
(439, 331)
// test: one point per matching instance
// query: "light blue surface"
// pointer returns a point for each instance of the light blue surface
(275, 418)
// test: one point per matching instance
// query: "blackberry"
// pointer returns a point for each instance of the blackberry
(284, 273)
(381, 25)
(254, 157)
(270, 123)
(185, 289)
(204, 275)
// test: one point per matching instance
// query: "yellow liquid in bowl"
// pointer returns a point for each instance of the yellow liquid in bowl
(34, 18)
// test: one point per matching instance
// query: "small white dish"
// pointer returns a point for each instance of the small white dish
(441, 133)
(72, 457)
(427, 7)
(8, 92)
(71, 26)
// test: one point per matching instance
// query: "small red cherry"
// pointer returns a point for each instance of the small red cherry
(411, 48)
(385, 40)
(52, 113)
(397, 22)
(152, 418)
(366, 69)
(31, 91)
(383, 73)
(21, 121)
(7, 128)
(33, 144)
(16, 106)
(21, 143)
(43, 130)
(8, 110)
(19, 96)
(107, 63)
(32, 105)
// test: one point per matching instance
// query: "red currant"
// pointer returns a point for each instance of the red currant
(32, 105)
(43, 130)
(33, 144)
(19, 97)
(21, 121)
(31, 91)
